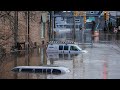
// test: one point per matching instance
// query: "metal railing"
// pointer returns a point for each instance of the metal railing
(109, 37)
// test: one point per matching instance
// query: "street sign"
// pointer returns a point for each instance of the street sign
(84, 19)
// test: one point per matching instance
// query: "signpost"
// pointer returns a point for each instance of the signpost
(82, 14)
(83, 28)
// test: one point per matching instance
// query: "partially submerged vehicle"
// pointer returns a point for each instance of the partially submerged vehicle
(42, 69)
(64, 47)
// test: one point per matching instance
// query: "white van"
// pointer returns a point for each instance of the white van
(64, 47)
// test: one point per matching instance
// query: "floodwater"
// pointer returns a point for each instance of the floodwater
(101, 62)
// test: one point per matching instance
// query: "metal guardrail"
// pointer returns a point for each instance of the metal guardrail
(108, 38)
(81, 37)
(117, 42)
(60, 42)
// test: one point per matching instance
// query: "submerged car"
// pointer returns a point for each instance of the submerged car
(42, 69)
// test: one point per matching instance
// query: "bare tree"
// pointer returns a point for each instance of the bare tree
(9, 19)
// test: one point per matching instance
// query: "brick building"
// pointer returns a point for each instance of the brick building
(38, 28)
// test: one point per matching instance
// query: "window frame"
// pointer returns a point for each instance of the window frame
(73, 49)
(43, 24)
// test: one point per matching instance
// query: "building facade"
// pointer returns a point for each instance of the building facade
(10, 32)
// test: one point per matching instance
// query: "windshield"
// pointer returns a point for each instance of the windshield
(78, 47)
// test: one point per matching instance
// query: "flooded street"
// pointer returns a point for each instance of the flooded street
(101, 62)
(59, 45)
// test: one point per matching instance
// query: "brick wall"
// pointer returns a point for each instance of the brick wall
(7, 28)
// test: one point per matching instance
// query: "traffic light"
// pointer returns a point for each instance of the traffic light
(76, 13)
(106, 15)
(84, 19)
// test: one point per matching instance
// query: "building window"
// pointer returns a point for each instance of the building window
(42, 30)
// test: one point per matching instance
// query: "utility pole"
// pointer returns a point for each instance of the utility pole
(52, 25)
(27, 31)
(75, 13)
(15, 27)
(15, 38)
(74, 28)
(83, 28)
(27, 38)
(49, 26)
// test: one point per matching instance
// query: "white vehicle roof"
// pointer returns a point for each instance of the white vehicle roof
(62, 69)
(41, 67)
(61, 42)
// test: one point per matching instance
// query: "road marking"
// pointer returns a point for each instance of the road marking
(105, 71)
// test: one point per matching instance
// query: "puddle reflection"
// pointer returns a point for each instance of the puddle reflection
(61, 56)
